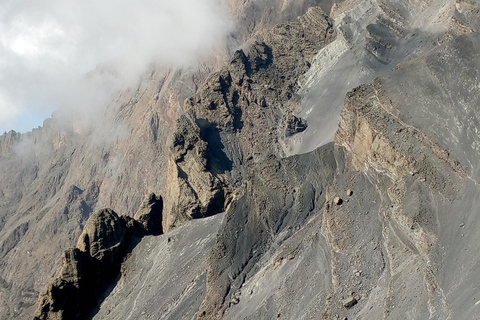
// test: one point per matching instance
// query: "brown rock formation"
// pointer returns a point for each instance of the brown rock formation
(40, 216)
(150, 214)
(235, 116)
(89, 269)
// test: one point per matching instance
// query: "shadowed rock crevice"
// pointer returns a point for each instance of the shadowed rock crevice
(217, 160)
(233, 121)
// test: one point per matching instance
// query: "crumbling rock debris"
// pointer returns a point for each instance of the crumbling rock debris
(222, 122)
(243, 104)
(294, 125)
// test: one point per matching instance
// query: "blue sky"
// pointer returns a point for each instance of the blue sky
(26, 121)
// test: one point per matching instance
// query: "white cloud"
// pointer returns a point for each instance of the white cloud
(47, 46)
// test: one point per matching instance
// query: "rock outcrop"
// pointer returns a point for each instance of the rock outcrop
(68, 296)
(89, 270)
(230, 124)
(376, 252)
(376, 221)
(150, 215)
(226, 150)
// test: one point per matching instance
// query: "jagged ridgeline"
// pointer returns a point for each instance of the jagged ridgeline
(378, 222)
(229, 135)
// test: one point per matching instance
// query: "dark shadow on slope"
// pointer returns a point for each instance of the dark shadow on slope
(255, 220)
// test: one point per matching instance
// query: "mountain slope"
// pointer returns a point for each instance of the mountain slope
(380, 223)
(55, 177)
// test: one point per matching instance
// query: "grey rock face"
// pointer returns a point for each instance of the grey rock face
(224, 144)
(265, 217)
(234, 118)
(402, 173)
(346, 231)
(165, 276)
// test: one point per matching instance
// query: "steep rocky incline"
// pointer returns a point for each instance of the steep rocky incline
(55, 177)
(244, 107)
(165, 276)
(239, 118)
(379, 223)
(418, 195)
(393, 234)
(380, 232)
(374, 36)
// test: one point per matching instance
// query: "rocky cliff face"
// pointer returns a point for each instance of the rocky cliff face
(362, 228)
(240, 118)
(55, 177)
(377, 219)
(89, 270)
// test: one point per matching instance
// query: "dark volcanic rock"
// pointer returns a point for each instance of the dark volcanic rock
(88, 270)
(65, 298)
(294, 125)
(294, 244)
(150, 214)
(173, 285)
(265, 217)
(114, 160)
(226, 149)
(235, 116)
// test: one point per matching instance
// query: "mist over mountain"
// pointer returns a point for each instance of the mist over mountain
(48, 48)
(295, 159)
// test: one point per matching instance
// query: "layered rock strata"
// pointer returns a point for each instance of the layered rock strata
(379, 224)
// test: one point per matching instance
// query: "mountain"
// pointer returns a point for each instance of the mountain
(341, 146)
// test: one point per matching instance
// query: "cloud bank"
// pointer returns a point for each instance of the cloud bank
(47, 46)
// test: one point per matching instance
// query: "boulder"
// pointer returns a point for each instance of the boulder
(349, 302)
(294, 125)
